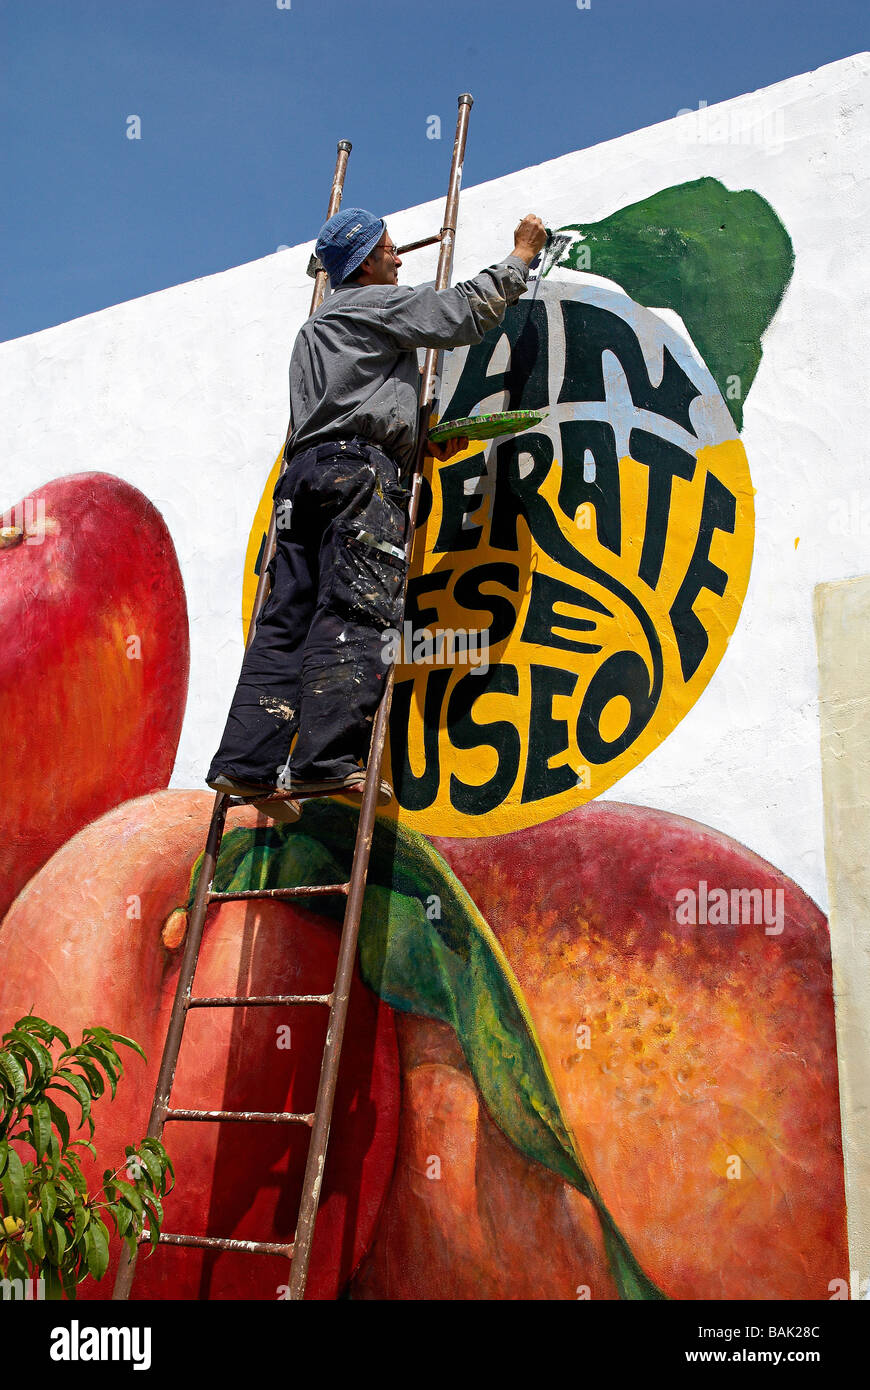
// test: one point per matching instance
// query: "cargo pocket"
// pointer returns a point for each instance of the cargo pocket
(368, 579)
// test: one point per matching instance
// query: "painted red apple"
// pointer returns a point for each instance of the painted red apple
(85, 943)
(94, 657)
(696, 1063)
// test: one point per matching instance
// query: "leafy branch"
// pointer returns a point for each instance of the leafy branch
(50, 1226)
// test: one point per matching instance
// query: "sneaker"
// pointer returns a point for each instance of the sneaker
(352, 784)
(271, 801)
(230, 787)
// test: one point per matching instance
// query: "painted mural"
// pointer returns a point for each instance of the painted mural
(88, 572)
(597, 564)
(582, 1032)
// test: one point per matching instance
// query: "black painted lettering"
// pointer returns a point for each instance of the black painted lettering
(542, 618)
(525, 379)
(665, 462)
(516, 492)
(625, 674)
(590, 331)
(602, 492)
(420, 585)
(718, 513)
(416, 793)
(467, 591)
(548, 737)
(457, 505)
(475, 799)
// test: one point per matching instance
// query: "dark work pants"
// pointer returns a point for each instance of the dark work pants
(316, 664)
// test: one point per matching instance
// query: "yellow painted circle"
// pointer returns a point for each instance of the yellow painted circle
(257, 543)
(551, 710)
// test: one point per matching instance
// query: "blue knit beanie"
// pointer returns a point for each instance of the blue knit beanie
(345, 241)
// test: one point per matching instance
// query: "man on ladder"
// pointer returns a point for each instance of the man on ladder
(315, 666)
(336, 524)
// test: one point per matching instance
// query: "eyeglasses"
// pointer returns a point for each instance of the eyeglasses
(390, 251)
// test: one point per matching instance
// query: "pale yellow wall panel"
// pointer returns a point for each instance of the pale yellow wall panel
(842, 618)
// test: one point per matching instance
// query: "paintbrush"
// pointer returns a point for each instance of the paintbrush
(555, 246)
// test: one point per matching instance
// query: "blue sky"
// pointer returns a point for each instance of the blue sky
(242, 102)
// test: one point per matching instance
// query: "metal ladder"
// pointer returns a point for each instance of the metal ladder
(299, 1251)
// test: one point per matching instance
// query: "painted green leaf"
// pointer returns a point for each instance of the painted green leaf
(154, 1146)
(54, 1155)
(106, 1038)
(449, 966)
(154, 1208)
(720, 259)
(19, 1267)
(108, 1059)
(152, 1168)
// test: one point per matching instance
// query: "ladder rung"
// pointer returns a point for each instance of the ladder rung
(315, 890)
(231, 1001)
(250, 1116)
(248, 1247)
(315, 264)
(415, 245)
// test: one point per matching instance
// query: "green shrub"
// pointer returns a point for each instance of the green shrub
(50, 1226)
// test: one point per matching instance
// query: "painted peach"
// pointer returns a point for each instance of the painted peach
(468, 1216)
(696, 1062)
(82, 944)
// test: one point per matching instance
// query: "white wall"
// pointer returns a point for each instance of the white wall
(183, 393)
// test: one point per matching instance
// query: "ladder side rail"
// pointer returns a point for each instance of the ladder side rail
(347, 951)
(178, 1016)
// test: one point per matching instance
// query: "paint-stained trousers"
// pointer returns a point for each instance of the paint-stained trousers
(315, 667)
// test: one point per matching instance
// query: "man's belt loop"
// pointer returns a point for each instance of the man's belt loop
(343, 440)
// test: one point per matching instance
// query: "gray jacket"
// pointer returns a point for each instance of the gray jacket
(353, 369)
